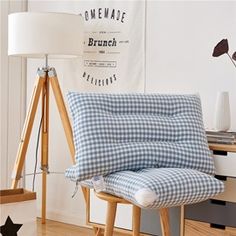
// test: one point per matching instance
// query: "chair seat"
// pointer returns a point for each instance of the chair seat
(161, 187)
(111, 198)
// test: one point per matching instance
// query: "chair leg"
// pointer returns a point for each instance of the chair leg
(110, 220)
(164, 218)
(182, 223)
(136, 220)
(97, 231)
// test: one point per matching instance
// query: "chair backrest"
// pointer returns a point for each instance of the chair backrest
(135, 131)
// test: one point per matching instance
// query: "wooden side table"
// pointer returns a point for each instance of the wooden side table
(225, 171)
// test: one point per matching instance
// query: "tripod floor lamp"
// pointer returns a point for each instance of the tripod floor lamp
(48, 35)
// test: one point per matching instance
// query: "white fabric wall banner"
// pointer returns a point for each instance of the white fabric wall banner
(114, 55)
(114, 45)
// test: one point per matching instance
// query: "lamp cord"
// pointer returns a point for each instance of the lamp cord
(36, 157)
(36, 154)
(37, 148)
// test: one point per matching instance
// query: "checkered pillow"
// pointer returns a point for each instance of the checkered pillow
(162, 187)
(133, 131)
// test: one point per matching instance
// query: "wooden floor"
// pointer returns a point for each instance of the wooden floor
(192, 228)
(54, 228)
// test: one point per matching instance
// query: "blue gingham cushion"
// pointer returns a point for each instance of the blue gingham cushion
(162, 187)
(133, 131)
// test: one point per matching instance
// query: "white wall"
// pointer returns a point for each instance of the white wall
(180, 37)
(13, 96)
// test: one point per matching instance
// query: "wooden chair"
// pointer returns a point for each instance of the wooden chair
(112, 202)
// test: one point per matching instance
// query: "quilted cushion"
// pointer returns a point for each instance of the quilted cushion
(134, 131)
(162, 187)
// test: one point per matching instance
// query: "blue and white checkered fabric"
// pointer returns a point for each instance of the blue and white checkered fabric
(134, 131)
(168, 186)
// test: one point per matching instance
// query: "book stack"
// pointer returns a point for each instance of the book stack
(221, 137)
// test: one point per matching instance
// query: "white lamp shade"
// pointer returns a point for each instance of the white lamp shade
(36, 34)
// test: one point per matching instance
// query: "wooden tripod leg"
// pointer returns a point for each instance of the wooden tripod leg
(85, 193)
(44, 145)
(164, 218)
(25, 136)
(64, 115)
